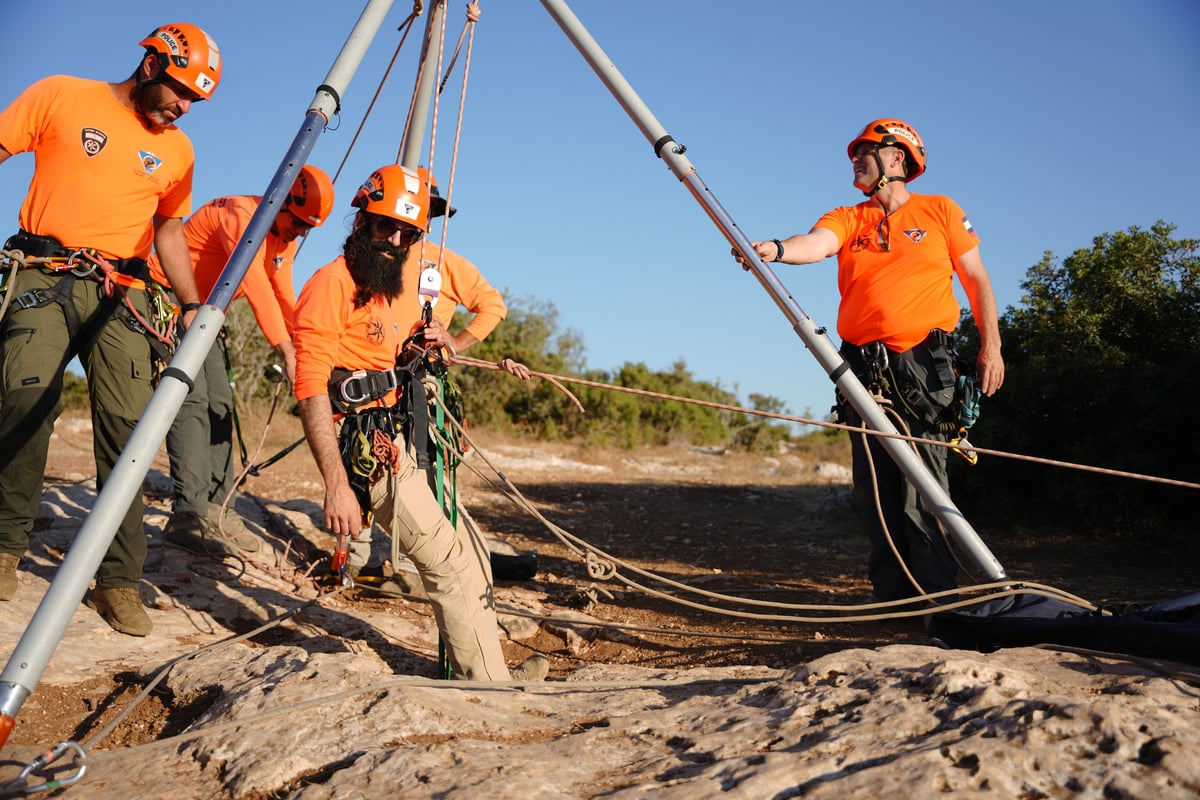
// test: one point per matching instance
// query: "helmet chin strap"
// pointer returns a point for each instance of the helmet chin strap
(143, 84)
(884, 178)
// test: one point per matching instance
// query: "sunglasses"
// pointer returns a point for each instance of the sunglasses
(883, 231)
(301, 222)
(386, 228)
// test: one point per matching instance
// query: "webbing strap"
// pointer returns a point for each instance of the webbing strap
(417, 406)
(181, 376)
(349, 390)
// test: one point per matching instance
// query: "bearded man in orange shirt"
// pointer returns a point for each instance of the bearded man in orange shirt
(898, 253)
(354, 320)
(200, 441)
(113, 176)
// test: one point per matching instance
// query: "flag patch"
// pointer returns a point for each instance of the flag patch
(967, 225)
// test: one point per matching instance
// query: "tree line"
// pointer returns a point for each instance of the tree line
(1102, 356)
(1103, 360)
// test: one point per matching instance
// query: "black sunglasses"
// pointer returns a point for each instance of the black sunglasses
(387, 227)
(300, 221)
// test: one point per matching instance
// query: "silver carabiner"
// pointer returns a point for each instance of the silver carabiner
(77, 257)
(46, 759)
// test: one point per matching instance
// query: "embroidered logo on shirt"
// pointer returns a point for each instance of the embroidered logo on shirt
(93, 141)
(375, 330)
(916, 234)
(860, 243)
(150, 162)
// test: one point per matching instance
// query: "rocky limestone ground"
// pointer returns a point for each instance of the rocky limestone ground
(261, 682)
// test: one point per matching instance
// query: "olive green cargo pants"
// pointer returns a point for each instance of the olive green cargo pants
(36, 346)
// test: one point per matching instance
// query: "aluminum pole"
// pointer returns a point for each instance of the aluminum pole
(45, 630)
(813, 336)
(413, 146)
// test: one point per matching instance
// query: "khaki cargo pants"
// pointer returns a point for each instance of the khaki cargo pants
(454, 569)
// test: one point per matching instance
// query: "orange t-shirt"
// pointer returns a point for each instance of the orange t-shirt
(899, 296)
(331, 333)
(212, 234)
(101, 174)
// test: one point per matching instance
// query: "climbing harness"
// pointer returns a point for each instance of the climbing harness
(898, 382)
(967, 397)
(116, 277)
(878, 371)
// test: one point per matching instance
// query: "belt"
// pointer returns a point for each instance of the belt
(349, 390)
(129, 272)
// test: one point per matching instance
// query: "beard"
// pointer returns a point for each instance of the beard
(376, 267)
(152, 102)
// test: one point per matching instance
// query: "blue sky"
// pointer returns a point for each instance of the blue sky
(1049, 122)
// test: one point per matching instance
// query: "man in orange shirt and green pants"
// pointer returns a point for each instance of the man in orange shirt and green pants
(200, 442)
(113, 177)
(898, 253)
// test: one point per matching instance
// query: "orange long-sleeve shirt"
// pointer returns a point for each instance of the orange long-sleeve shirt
(212, 234)
(331, 333)
(101, 173)
(899, 295)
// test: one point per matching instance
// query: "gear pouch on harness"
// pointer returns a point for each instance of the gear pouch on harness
(921, 380)
(367, 449)
(926, 381)
(163, 331)
(156, 320)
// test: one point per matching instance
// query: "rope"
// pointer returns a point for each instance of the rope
(603, 565)
(555, 380)
(15, 260)
(248, 462)
(382, 689)
(405, 28)
(166, 668)
(900, 424)
(468, 361)
(111, 285)
(469, 32)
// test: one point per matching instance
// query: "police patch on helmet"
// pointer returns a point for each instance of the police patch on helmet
(93, 141)
(172, 43)
(897, 130)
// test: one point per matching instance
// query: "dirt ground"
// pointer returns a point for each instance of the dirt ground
(779, 529)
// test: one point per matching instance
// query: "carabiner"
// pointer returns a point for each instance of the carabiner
(46, 759)
(79, 256)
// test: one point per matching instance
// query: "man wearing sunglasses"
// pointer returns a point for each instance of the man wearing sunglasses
(200, 441)
(113, 176)
(898, 253)
(358, 321)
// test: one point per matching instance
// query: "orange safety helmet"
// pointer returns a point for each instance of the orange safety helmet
(187, 54)
(398, 192)
(890, 132)
(311, 197)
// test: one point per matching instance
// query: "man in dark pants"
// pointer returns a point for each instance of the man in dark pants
(898, 253)
(113, 177)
